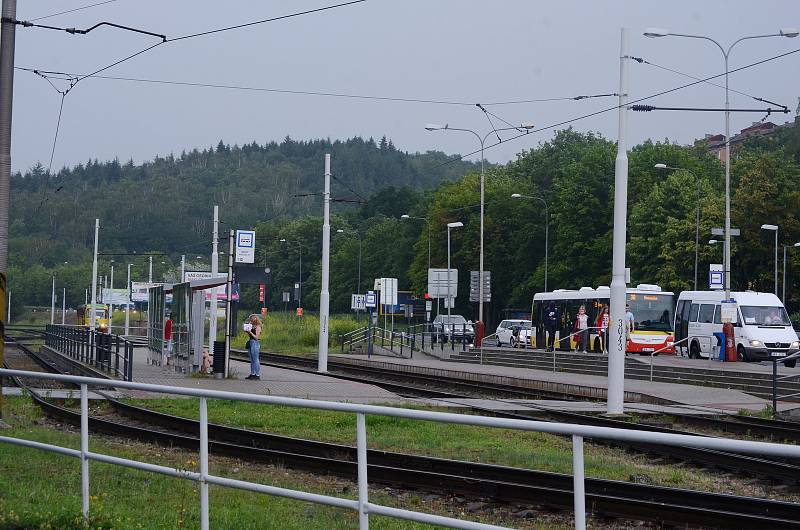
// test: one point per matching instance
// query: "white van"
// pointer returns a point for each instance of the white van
(762, 329)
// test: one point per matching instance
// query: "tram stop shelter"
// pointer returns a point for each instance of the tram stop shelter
(188, 312)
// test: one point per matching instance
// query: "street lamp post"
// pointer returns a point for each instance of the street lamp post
(697, 214)
(300, 278)
(527, 127)
(774, 228)
(546, 230)
(457, 224)
(783, 298)
(406, 216)
(785, 32)
(358, 236)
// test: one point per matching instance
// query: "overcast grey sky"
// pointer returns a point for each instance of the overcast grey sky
(456, 50)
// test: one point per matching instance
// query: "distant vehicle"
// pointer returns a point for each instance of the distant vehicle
(762, 329)
(454, 327)
(652, 309)
(84, 317)
(513, 332)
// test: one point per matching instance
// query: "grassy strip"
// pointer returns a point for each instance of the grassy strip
(479, 444)
(286, 333)
(42, 490)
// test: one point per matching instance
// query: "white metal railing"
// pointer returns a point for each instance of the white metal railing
(362, 504)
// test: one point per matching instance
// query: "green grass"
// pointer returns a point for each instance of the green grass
(287, 333)
(496, 446)
(41, 490)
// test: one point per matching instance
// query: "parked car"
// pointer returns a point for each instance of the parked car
(456, 327)
(513, 333)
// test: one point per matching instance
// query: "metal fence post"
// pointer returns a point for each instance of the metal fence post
(363, 489)
(203, 464)
(578, 482)
(84, 452)
(774, 388)
(116, 355)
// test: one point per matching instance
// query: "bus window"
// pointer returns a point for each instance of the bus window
(693, 312)
(706, 315)
(717, 315)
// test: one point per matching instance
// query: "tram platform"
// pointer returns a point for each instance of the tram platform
(638, 393)
(274, 382)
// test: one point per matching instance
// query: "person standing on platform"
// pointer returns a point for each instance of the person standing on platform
(551, 320)
(254, 347)
(581, 327)
(602, 324)
(167, 340)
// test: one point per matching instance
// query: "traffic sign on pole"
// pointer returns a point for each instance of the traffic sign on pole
(371, 300)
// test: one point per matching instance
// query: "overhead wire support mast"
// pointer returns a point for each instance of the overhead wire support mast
(649, 108)
(76, 31)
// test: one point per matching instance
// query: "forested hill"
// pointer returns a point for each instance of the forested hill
(166, 204)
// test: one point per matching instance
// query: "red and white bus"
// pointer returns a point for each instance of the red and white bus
(653, 311)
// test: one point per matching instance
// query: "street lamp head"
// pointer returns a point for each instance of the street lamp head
(435, 127)
(340, 231)
(282, 240)
(655, 32)
(769, 227)
(789, 32)
(457, 224)
(527, 125)
(796, 244)
(712, 241)
(516, 196)
(405, 216)
(660, 166)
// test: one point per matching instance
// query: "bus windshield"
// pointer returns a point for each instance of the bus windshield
(652, 312)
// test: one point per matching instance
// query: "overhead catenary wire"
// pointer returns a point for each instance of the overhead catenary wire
(641, 60)
(311, 92)
(72, 10)
(616, 107)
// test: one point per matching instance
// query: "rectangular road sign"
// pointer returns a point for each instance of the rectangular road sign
(388, 291)
(358, 302)
(716, 276)
(721, 232)
(371, 299)
(245, 246)
(438, 283)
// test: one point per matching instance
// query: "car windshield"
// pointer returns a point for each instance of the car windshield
(765, 316)
(453, 319)
(651, 312)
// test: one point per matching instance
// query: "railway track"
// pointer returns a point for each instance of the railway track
(770, 470)
(606, 498)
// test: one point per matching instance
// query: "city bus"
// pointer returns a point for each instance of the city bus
(84, 317)
(653, 312)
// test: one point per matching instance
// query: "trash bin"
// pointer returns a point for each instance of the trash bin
(218, 364)
(719, 347)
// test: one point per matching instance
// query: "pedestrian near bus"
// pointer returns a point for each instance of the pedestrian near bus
(581, 329)
(602, 324)
(551, 320)
(254, 347)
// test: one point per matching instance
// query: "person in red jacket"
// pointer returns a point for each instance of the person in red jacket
(603, 321)
(167, 340)
(581, 330)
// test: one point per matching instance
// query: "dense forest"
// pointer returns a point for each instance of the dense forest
(164, 205)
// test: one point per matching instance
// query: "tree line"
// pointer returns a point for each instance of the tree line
(572, 173)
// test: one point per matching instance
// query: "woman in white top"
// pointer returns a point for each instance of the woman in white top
(581, 327)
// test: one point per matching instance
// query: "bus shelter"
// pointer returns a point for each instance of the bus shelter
(188, 315)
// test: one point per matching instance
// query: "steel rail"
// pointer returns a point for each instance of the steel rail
(732, 462)
(609, 498)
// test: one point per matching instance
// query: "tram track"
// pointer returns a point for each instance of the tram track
(765, 469)
(501, 484)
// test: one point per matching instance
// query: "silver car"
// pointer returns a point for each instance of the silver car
(457, 327)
